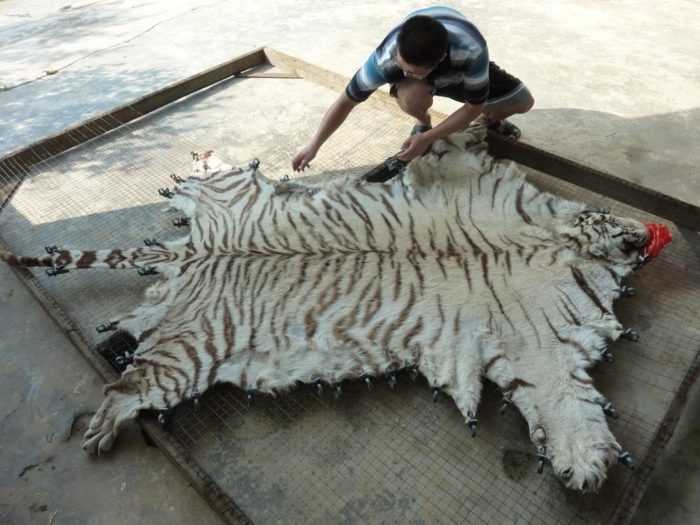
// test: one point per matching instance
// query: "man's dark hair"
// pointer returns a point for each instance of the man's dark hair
(422, 41)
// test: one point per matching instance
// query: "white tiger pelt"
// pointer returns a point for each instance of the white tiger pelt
(458, 269)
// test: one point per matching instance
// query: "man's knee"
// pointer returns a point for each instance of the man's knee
(414, 96)
(528, 102)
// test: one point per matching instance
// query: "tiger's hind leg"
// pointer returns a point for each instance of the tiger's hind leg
(139, 388)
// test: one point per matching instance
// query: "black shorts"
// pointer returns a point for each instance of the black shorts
(501, 83)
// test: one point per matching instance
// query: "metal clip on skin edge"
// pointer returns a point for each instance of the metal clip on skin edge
(607, 355)
(630, 335)
(163, 414)
(627, 460)
(610, 410)
(505, 403)
(472, 423)
(178, 180)
(165, 192)
(249, 396)
(150, 242)
(107, 327)
(195, 397)
(254, 163)
(148, 270)
(51, 249)
(181, 222)
(391, 378)
(125, 359)
(56, 270)
(541, 458)
(318, 386)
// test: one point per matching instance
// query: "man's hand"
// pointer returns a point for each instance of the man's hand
(414, 146)
(301, 161)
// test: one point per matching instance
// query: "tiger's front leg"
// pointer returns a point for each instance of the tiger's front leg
(136, 390)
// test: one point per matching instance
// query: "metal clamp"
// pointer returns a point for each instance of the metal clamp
(541, 458)
(150, 242)
(56, 270)
(627, 460)
(107, 327)
(610, 411)
(165, 192)
(125, 359)
(391, 378)
(51, 249)
(472, 423)
(178, 180)
(630, 335)
(148, 270)
(180, 222)
(163, 414)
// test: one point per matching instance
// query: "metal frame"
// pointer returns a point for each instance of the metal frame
(598, 181)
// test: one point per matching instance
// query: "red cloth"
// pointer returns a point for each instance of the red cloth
(659, 236)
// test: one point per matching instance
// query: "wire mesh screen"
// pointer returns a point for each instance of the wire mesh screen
(377, 456)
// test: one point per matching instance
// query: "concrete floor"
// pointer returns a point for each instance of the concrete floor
(600, 73)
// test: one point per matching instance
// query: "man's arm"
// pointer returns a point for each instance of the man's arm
(332, 120)
(460, 119)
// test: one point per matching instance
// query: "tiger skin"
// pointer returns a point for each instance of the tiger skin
(457, 269)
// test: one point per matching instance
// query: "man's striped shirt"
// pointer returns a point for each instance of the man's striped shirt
(466, 64)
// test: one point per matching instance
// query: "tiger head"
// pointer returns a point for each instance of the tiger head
(619, 240)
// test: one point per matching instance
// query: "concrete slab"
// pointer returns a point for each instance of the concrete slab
(594, 70)
(48, 396)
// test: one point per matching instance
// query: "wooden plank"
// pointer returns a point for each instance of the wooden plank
(680, 212)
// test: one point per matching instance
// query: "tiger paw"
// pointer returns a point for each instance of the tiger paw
(118, 408)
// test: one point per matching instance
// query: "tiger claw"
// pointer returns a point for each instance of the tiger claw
(413, 372)
(124, 359)
(436, 394)
(368, 381)
(196, 397)
(318, 385)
